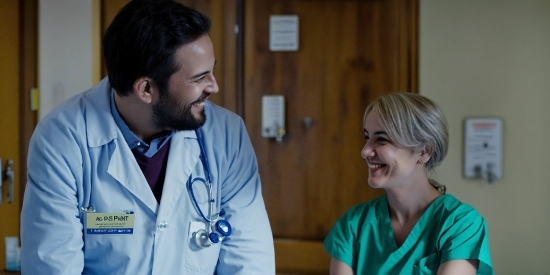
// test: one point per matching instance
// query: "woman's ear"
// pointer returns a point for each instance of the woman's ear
(143, 89)
(425, 155)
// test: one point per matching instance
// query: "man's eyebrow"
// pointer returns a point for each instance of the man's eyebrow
(199, 75)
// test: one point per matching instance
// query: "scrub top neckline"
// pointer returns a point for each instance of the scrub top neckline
(413, 235)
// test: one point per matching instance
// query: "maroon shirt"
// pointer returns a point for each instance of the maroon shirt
(154, 168)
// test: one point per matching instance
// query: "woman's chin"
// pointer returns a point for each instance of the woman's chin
(374, 184)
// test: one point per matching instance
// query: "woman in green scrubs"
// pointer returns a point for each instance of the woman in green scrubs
(415, 228)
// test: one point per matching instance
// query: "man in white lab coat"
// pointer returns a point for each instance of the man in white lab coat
(141, 174)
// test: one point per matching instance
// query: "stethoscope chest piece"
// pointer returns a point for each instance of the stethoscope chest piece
(203, 238)
(216, 227)
(224, 228)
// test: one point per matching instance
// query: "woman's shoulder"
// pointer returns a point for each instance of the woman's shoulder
(368, 209)
(453, 212)
(450, 204)
(463, 233)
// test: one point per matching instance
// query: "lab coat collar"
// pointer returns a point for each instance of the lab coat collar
(101, 129)
(100, 125)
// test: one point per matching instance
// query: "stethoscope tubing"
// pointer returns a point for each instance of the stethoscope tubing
(223, 226)
(203, 157)
(207, 182)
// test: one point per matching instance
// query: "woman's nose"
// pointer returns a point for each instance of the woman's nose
(367, 151)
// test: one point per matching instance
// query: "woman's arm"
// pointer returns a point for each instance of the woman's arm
(458, 267)
(337, 267)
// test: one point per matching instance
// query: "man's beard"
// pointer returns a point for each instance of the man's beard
(168, 114)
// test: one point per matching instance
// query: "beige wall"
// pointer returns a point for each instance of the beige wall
(492, 58)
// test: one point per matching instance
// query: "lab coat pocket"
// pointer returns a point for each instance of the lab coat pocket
(427, 265)
(198, 258)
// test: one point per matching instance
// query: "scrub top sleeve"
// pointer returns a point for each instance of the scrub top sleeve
(466, 239)
(340, 241)
(249, 249)
(51, 230)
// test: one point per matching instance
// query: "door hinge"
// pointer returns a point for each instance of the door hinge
(8, 175)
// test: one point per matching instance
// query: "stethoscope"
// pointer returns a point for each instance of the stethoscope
(216, 228)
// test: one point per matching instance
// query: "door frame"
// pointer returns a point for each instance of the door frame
(28, 79)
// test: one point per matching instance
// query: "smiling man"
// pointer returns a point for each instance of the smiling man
(142, 174)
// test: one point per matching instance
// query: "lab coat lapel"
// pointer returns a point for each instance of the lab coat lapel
(126, 171)
(101, 131)
(182, 159)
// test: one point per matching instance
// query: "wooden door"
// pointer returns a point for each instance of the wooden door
(350, 52)
(9, 113)
(18, 30)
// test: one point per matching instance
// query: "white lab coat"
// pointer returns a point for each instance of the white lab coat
(79, 158)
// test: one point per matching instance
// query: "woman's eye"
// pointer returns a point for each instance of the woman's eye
(382, 140)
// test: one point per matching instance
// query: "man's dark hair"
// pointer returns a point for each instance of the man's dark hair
(143, 39)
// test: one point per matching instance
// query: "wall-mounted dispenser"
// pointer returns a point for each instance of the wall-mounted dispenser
(483, 148)
(273, 117)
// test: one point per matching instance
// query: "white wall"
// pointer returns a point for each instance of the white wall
(65, 63)
(492, 58)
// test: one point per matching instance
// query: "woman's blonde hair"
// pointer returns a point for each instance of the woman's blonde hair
(415, 122)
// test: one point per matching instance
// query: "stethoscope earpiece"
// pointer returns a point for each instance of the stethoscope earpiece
(202, 239)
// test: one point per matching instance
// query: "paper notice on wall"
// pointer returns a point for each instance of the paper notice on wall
(483, 148)
(283, 33)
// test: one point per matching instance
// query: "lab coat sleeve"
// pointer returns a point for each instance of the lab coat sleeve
(249, 250)
(51, 229)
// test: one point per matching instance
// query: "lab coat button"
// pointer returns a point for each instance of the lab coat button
(163, 225)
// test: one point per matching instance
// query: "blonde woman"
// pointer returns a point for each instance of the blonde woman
(415, 228)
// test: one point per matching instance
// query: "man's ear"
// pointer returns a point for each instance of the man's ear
(143, 89)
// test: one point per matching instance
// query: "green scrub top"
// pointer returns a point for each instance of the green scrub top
(448, 230)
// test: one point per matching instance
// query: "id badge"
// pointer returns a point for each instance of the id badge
(110, 223)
